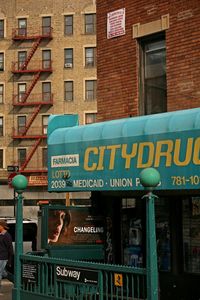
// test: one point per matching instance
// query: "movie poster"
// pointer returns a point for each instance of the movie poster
(74, 227)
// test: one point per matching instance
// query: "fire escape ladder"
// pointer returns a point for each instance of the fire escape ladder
(34, 48)
(28, 125)
(35, 79)
(28, 158)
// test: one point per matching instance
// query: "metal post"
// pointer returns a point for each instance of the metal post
(19, 183)
(152, 269)
(150, 178)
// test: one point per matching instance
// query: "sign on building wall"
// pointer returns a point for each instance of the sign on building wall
(116, 23)
(111, 155)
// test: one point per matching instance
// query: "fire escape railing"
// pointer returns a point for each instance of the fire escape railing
(35, 69)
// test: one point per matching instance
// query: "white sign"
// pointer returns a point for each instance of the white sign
(116, 23)
(71, 160)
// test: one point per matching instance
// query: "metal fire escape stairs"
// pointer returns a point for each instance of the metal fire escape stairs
(22, 69)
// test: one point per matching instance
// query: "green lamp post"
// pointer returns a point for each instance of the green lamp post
(19, 184)
(150, 178)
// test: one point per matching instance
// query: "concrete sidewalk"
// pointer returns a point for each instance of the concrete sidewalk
(6, 292)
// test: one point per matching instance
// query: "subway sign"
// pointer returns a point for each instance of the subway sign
(115, 164)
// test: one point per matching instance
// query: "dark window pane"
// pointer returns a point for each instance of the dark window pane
(154, 77)
(1, 158)
(1, 126)
(1, 61)
(1, 93)
(1, 28)
(21, 156)
(44, 157)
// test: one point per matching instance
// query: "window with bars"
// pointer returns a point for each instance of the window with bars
(90, 90)
(90, 57)
(69, 91)
(90, 23)
(68, 30)
(1, 93)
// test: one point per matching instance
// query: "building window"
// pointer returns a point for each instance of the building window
(90, 90)
(90, 57)
(153, 77)
(90, 118)
(44, 157)
(1, 29)
(46, 25)
(1, 61)
(21, 156)
(22, 55)
(163, 234)
(90, 24)
(46, 59)
(69, 91)
(1, 93)
(68, 58)
(22, 27)
(68, 25)
(21, 122)
(1, 159)
(44, 124)
(21, 92)
(191, 234)
(46, 91)
(1, 126)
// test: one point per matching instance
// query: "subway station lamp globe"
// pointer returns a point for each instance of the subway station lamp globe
(149, 178)
(19, 183)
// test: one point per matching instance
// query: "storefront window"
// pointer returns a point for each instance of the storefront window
(191, 234)
(132, 232)
(163, 235)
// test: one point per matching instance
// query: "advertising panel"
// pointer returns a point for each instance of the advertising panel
(70, 226)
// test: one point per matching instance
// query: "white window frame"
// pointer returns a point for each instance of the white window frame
(85, 80)
(88, 112)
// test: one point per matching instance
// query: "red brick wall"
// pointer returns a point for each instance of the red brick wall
(117, 71)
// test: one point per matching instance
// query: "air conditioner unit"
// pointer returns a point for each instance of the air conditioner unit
(68, 65)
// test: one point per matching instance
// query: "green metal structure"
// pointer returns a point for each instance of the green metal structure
(82, 158)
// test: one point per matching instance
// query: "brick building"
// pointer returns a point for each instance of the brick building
(47, 66)
(163, 30)
(148, 63)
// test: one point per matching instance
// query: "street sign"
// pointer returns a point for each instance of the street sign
(10, 177)
(12, 168)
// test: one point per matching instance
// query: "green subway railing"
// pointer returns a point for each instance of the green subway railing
(53, 278)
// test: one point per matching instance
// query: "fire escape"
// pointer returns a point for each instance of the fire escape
(34, 70)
